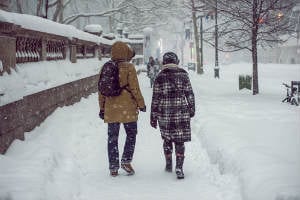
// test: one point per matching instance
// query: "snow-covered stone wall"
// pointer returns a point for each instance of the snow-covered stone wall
(24, 115)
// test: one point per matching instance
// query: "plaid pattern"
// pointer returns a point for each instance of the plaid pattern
(173, 105)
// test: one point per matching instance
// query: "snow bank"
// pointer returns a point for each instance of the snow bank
(30, 78)
(256, 138)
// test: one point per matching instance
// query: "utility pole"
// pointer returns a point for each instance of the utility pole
(216, 35)
(216, 69)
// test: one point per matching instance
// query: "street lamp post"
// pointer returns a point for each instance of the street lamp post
(201, 42)
(216, 69)
(147, 42)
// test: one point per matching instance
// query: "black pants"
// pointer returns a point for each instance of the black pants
(112, 144)
(168, 147)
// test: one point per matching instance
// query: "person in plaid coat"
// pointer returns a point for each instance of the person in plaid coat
(172, 107)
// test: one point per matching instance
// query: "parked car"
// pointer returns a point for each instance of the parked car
(191, 66)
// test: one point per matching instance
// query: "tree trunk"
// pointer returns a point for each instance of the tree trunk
(5, 5)
(19, 6)
(254, 48)
(216, 36)
(182, 49)
(61, 16)
(110, 21)
(58, 10)
(111, 18)
(39, 8)
(255, 67)
(196, 36)
(46, 8)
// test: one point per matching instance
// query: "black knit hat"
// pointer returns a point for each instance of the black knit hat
(170, 57)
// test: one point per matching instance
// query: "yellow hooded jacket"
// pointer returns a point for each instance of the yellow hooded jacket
(125, 107)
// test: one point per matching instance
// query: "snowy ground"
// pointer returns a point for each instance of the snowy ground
(256, 138)
(243, 147)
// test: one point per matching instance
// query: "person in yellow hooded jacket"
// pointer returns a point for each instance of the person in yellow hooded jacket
(122, 109)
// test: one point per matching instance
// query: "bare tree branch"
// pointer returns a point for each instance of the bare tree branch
(58, 9)
(67, 3)
(39, 7)
(72, 18)
(19, 6)
(52, 4)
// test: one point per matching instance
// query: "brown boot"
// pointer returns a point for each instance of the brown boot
(114, 172)
(128, 168)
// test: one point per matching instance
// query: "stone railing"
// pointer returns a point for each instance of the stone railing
(19, 45)
(105, 50)
(55, 50)
(27, 49)
(87, 49)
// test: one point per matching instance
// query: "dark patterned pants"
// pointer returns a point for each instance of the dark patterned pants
(112, 143)
(168, 147)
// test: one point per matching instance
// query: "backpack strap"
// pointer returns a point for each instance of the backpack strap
(125, 86)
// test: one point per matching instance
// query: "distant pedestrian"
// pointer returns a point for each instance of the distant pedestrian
(173, 105)
(122, 109)
(158, 63)
(151, 71)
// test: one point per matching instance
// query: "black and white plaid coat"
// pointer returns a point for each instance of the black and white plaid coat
(173, 103)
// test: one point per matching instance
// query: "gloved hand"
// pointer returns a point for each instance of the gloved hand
(192, 114)
(101, 114)
(143, 109)
(153, 121)
(153, 124)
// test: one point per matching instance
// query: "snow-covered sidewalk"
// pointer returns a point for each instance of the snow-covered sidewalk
(243, 147)
(66, 158)
(257, 138)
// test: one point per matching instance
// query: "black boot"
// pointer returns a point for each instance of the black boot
(179, 164)
(168, 163)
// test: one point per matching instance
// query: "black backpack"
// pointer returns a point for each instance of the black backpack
(108, 84)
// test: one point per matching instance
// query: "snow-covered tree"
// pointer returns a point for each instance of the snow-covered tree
(193, 9)
(247, 24)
